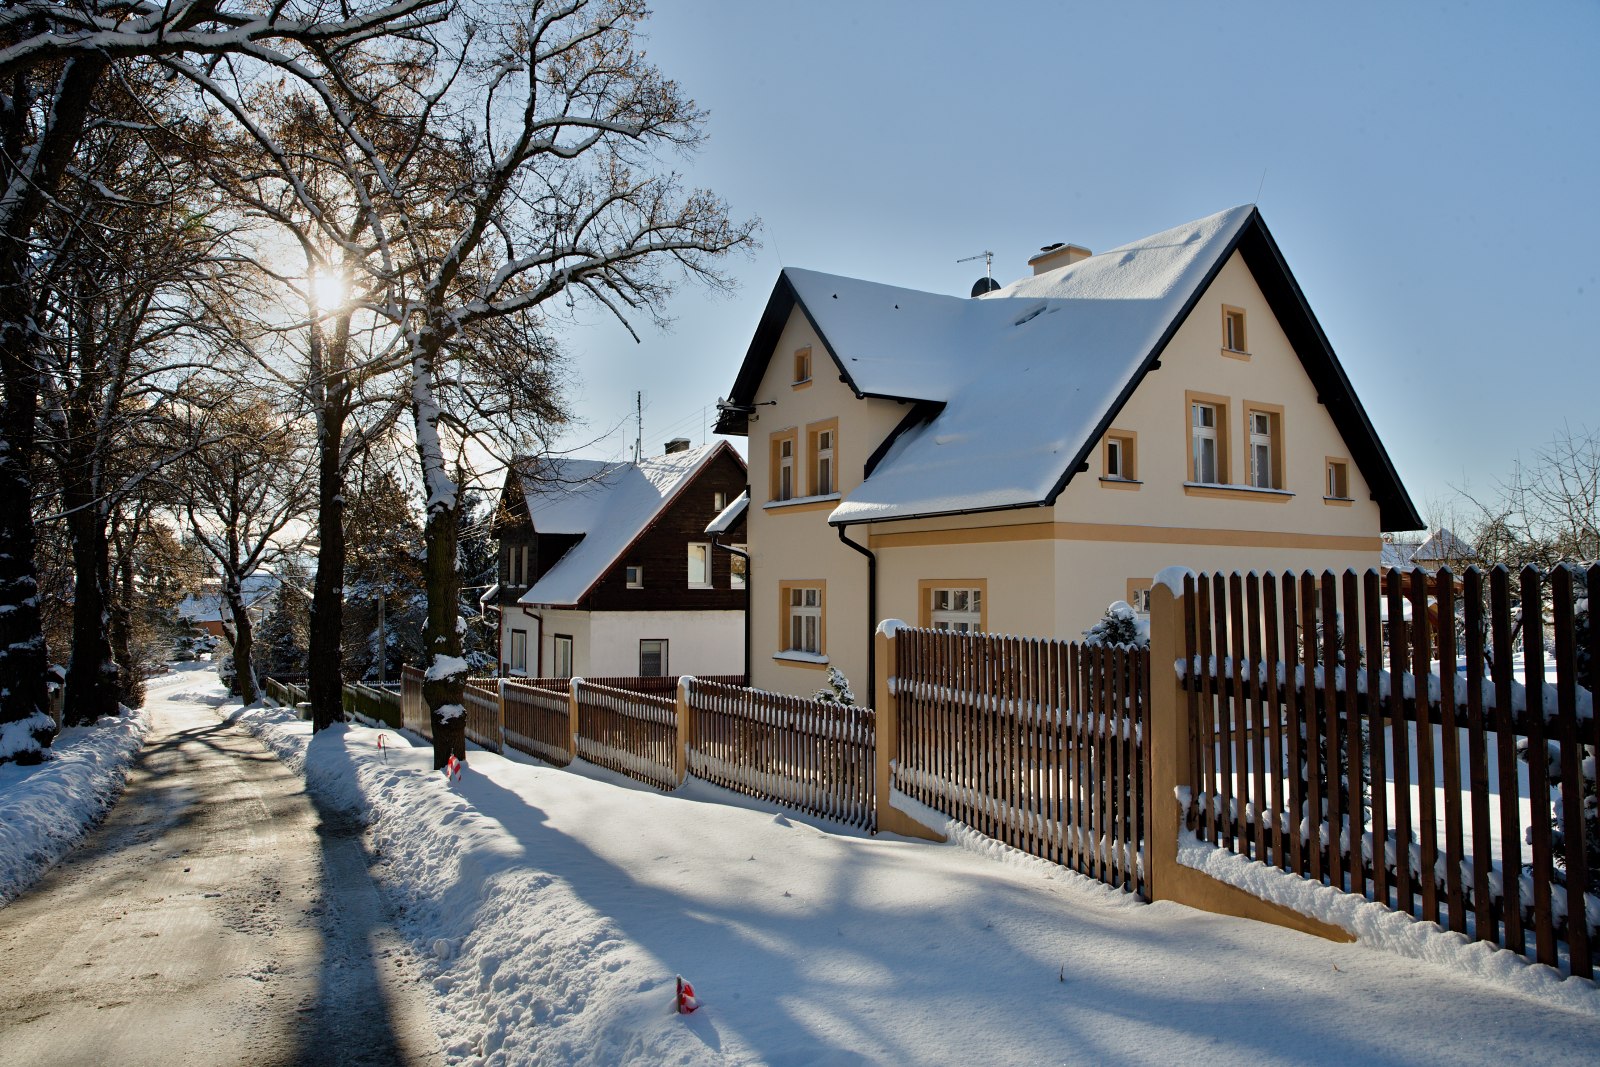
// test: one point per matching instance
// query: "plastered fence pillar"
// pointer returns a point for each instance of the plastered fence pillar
(1167, 757)
(685, 730)
(887, 742)
(572, 717)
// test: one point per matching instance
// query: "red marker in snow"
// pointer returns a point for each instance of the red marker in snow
(383, 748)
(452, 769)
(686, 999)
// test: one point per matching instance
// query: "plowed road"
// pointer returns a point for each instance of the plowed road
(215, 918)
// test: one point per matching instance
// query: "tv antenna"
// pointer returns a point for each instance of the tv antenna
(988, 261)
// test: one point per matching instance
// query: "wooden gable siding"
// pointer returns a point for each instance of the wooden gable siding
(662, 550)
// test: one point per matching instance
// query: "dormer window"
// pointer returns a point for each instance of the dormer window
(1233, 335)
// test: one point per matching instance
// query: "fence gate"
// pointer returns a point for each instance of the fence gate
(1036, 743)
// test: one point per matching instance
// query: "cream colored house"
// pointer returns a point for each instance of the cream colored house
(1016, 461)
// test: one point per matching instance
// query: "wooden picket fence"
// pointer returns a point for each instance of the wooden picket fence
(413, 709)
(1359, 754)
(1036, 743)
(812, 756)
(481, 699)
(380, 704)
(632, 733)
(538, 721)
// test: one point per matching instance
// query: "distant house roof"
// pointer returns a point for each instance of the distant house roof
(1439, 548)
(608, 505)
(208, 605)
(1014, 388)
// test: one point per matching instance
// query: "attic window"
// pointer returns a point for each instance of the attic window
(1338, 480)
(1233, 335)
(636, 577)
(802, 366)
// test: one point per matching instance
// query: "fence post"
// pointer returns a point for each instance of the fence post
(572, 717)
(887, 742)
(500, 712)
(1167, 756)
(685, 730)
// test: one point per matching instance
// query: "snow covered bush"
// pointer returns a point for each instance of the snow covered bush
(226, 672)
(837, 691)
(1120, 627)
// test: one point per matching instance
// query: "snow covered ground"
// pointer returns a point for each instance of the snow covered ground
(47, 808)
(555, 908)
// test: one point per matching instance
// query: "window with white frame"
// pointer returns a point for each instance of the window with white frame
(1233, 338)
(736, 568)
(699, 566)
(785, 469)
(519, 650)
(805, 619)
(719, 501)
(635, 576)
(1261, 450)
(824, 484)
(958, 608)
(652, 657)
(562, 648)
(1338, 480)
(1203, 442)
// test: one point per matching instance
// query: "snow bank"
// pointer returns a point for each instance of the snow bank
(1376, 926)
(48, 808)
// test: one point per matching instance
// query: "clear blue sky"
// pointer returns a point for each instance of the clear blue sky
(1432, 174)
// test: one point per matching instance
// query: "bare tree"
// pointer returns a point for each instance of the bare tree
(245, 481)
(53, 58)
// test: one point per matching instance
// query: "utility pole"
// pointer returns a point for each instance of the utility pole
(638, 422)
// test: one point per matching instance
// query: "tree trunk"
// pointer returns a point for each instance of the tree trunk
(130, 681)
(25, 723)
(244, 668)
(92, 672)
(326, 684)
(445, 695)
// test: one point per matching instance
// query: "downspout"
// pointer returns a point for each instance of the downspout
(872, 612)
(715, 543)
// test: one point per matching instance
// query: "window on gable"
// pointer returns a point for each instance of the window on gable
(783, 470)
(1121, 461)
(719, 502)
(635, 577)
(699, 566)
(1265, 428)
(1338, 480)
(802, 366)
(1203, 445)
(1233, 336)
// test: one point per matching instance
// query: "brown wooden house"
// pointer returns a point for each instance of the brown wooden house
(606, 569)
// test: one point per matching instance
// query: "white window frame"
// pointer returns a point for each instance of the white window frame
(826, 483)
(1201, 435)
(1116, 458)
(719, 502)
(519, 651)
(786, 469)
(634, 576)
(703, 551)
(957, 608)
(1338, 472)
(1262, 448)
(805, 620)
(562, 654)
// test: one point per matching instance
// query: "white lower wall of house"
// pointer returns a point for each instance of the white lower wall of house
(606, 643)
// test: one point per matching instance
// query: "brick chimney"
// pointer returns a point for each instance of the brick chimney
(677, 444)
(1057, 255)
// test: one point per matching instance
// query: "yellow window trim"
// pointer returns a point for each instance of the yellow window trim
(1130, 457)
(774, 470)
(802, 360)
(819, 584)
(926, 586)
(1235, 353)
(1337, 501)
(813, 431)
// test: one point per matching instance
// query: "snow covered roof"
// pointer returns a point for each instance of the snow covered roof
(1016, 386)
(608, 505)
(1440, 548)
(730, 515)
(208, 606)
